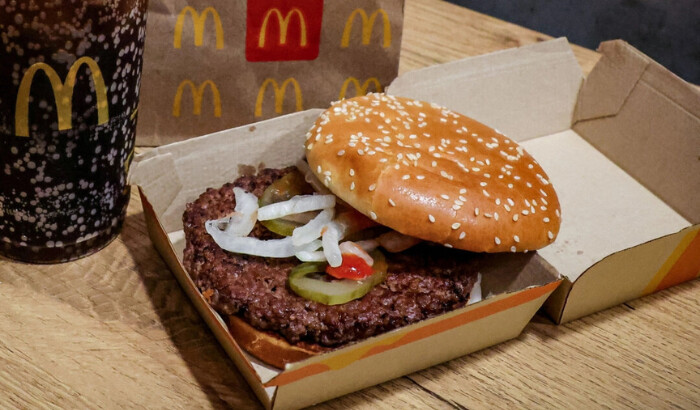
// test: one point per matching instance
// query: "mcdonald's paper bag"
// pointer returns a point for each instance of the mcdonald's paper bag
(216, 64)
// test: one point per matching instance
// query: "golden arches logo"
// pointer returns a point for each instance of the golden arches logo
(198, 21)
(280, 92)
(63, 94)
(360, 89)
(367, 27)
(284, 25)
(197, 96)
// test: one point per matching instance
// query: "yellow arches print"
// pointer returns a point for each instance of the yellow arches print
(367, 27)
(63, 94)
(197, 96)
(360, 89)
(198, 21)
(283, 25)
(280, 92)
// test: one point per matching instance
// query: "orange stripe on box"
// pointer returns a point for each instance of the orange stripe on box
(417, 334)
(687, 266)
(670, 262)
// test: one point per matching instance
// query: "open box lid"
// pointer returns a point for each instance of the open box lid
(621, 149)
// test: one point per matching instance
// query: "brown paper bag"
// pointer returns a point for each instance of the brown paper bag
(216, 64)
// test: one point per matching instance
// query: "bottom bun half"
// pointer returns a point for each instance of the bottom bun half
(268, 347)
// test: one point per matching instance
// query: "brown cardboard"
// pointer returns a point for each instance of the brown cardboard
(621, 148)
(216, 64)
(514, 286)
(609, 251)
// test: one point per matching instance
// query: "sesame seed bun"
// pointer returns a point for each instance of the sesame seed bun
(434, 174)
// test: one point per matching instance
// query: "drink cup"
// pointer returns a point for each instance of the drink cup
(69, 91)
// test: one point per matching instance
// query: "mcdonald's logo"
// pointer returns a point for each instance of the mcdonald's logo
(279, 92)
(63, 94)
(283, 32)
(198, 22)
(367, 27)
(359, 89)
(197, 96)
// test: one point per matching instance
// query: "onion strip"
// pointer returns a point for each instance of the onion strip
(296, 205)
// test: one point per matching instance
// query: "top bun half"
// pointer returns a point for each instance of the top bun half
(434, 174)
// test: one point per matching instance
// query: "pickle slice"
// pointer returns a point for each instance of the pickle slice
(309, 281)
(284, 189)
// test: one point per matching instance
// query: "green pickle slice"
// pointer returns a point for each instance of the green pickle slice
(284, 189)
(310, 281)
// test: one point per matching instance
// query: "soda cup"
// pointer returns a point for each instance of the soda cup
(69, 89)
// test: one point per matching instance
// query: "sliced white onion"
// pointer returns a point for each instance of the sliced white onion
(314, 256)
(311, 178)
(394, 242)
(331, 236)
(349, 247)
(273, 248)
(295, 205)
(475, 294)
(312, 230)
(243, 220)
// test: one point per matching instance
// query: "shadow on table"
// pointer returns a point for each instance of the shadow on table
(197, 346)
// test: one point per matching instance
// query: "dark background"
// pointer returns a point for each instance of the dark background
(666, 30)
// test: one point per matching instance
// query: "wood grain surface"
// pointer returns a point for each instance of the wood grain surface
(114, 330)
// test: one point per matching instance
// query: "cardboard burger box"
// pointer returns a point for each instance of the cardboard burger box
(619, 147)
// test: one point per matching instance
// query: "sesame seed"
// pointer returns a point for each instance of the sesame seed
(463, 191)
(431, 218)
(456, 225)
(360, 152)
(382, 160)
(485, 193)
(372, 187)
(550, 235)
(483, 183)
(497, 240)
(310, 146)
(447, 245)
(512, 249)
(506, 207)
(443, 196)
(495, 215)
(352, 186)
(434, 163)
(391, 202)
(456, 207)
(488, 215)
(515, 217)
(405, 177)
(420, 177)
(319, 169)
(373, 215)
(498, 201)
(462, 235)
(510, 202)
(525, 212)
(557, 213)
(546, 220)
(341, 152)
(476, 211)
(516, 238)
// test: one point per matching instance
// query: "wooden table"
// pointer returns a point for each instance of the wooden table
(115, 330)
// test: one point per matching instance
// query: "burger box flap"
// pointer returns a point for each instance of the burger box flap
(621, 148)
(514, 286)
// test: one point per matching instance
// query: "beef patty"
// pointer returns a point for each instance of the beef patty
(422, 282)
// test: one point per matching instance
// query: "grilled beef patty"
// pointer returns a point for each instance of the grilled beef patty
(422, 282)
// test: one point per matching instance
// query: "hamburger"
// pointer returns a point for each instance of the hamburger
(375, 230)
